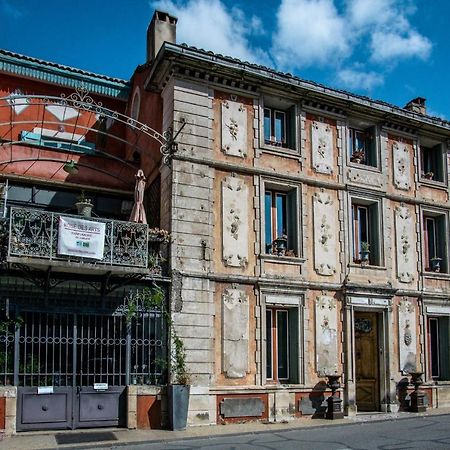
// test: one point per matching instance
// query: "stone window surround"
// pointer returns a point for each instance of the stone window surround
(434, 212)
(282, 104)
(274, 185)
(428, 143)
(354, 124)
(367, 200)
(437, 310)
(283, 300)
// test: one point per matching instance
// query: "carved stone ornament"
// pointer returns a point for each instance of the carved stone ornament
(235, 318)
(326, 335)
(325, 242)
(235, 226)
(322, 147)
(407, 336)
(405, 244)
(234, 128)
(402, 165)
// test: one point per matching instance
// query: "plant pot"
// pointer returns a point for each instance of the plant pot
(436, 264)
(365, 257)
(84, 208)
(178, 397)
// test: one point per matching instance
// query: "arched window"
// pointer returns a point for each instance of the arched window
(136, 104)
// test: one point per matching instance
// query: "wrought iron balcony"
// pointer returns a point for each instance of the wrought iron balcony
(33, 240)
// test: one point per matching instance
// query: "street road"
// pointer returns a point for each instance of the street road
(419, 432)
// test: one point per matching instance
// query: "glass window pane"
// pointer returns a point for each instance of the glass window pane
(280, 132)
(359, 141)
(433, 327)
(431, 235)
(363, 226)
(268, 221)
(281, 214)
(282, 345)
(269, 355)
(267, 124)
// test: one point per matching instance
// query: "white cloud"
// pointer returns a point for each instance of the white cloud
(386, 24)
(392, 46)
(356, 79)
(309, 32)
(208, 24)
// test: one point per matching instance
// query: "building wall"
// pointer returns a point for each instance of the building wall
(218, 180)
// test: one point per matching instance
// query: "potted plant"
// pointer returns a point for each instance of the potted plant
(365, 252)
(280, 245)
(428, 175)
(84, 205)
(178, 389)
(436, 264)
(357, 157)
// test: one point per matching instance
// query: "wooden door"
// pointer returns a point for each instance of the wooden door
(366, 361)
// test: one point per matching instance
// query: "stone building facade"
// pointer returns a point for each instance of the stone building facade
(310, 237)
(309, 232)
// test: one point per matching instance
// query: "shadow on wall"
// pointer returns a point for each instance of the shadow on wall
(318, 400)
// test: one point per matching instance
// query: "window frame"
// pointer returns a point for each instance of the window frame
(436, 164)
(289, 110)
(292, 303)
(442, 352)
(372, 131)
(374, 230)
(441, 240)
(292, 193)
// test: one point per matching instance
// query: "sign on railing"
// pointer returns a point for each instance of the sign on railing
(38, 234)
(78, 237)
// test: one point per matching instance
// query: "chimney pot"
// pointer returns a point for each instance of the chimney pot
(417, 105)
(162, 28)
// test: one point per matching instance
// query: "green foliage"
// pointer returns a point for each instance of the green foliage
(153, 299)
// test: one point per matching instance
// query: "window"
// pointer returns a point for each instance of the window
(438, 351)
(435, 243)
(366, 240)
(136, 105)
(279, 126)
(281, 223)
(362, 146)
(432, 163)
(281, 344)
(58, 139)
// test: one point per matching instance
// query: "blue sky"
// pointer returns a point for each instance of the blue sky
(391, 50)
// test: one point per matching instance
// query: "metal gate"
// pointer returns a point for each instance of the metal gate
(72, 369)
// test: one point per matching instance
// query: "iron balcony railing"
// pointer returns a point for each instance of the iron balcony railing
(34, 234)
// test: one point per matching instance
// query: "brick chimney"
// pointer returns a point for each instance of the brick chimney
(162, 28)
(417, 105)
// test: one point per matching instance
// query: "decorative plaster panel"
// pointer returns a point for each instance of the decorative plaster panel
(407, 336)
(234, 129)
(325, 244)
(364, 177)
(235, 227)
(235, 316)
(322, 147)
(405, 243)
(402, 165)
(326, 336)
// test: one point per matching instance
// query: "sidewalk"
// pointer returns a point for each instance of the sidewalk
(47, 439)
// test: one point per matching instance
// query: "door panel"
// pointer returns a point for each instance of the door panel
(39, 411)
(366, 361)
(100, 408)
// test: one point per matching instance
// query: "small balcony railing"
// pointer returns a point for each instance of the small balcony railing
(33, 234)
